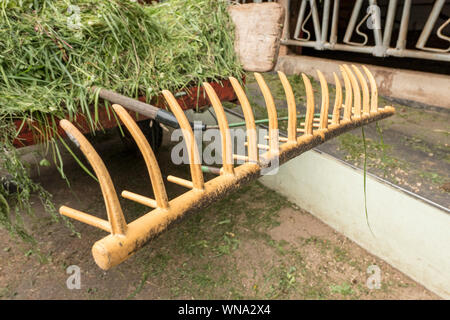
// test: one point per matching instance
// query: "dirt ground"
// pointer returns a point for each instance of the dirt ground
(254, 244)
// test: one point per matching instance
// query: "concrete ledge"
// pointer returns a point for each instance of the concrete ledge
(425, 88)
(408, 233)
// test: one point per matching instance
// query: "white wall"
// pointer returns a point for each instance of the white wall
(411, 235)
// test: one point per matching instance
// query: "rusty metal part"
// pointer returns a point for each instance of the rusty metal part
(125, 239)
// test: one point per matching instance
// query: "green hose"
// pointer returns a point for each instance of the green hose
(240, 124)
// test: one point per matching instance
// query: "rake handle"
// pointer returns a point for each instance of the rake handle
(148, 110)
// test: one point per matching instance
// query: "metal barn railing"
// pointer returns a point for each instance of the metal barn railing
(382, 35)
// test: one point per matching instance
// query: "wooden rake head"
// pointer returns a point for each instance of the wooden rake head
(360, 107)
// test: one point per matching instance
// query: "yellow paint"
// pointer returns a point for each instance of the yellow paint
(150, 160)
(113, 209)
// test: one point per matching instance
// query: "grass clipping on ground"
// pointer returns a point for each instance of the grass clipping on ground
(51, 52)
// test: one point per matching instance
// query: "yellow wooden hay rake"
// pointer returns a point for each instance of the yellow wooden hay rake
(360, 107)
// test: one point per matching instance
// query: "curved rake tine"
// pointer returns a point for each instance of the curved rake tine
(252, 146)
(309, 105)
(271, 112)
(348, 95)
(227, 148)
(356, 92)
(337, 101)
(373, 91)
(194, 157)
(117, 223)
(365, 91)
(325, 101)
(156, 180)
(292, 108)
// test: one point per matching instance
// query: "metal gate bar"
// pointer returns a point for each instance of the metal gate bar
(381, 39)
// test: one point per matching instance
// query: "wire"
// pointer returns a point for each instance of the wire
(240, 124)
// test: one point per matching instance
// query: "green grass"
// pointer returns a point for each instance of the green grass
(344, 289)
(378, 153)
(382, 157)
(7, 293)
(433, 177)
